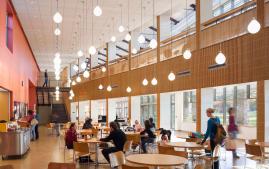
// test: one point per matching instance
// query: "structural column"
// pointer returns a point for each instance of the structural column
(260, 111)
(198, 110)
(260, 12)
(158, 61)
(198, 24)
(107, 75)
(129, 69)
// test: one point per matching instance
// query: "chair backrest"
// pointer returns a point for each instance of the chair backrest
(116, 159)
(171, 151)
(136, 138)
(81, 147)
(6, 167)
(95, 132)
(124, 166)
(191, 139)
(254, 150)
(251, 141)
(127, 146)
(199, 166)
(216, 152)
(53, 165)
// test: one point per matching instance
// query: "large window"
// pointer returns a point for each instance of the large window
(122, 109)
(148, 108)
(242, 97)
(189, 106)
(223, 6)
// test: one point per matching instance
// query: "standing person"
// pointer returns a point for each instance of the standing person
(117, 136)
(211, 132)
(87, 124)
(34, 122)
(232, 128)
(147, 136)
(36, 127)
(46, 79)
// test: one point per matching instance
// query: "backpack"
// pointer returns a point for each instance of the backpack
(220, 134)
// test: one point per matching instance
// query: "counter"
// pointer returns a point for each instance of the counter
(14, 143)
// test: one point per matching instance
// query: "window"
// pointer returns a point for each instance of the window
(9, 29)
(221, 6)
(122, 109)
(189, 106)
(148, 108)
(242, 97)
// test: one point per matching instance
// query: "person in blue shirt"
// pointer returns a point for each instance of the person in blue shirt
(211, 132)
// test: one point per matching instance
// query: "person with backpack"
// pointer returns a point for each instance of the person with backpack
(211, 132)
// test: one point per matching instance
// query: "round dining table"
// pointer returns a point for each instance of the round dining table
(156, 160)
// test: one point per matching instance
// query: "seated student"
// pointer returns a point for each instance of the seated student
(87, 124)
(71, 136)
(147, 136)
(137, 126)
(164, 139)
(117, 136)
(152, 125)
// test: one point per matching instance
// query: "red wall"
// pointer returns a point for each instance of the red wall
(19, 66)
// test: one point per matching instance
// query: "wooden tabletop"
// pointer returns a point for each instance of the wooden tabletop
(93, 140)
(185, 145)
(262, 144)
(85, 131)
(156, 159)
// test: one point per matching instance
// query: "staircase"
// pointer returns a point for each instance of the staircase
(59, 113)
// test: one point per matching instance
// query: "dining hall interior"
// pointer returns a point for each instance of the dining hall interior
(167, 84)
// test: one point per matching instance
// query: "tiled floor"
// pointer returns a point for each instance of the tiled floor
(47, 149)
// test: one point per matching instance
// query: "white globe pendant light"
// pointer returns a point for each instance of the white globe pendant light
(145, 82)
(70, 97)
(72, 94)
(154, 81)
(57, 88)
(128, 89)
(97, 11)
(73, 83)
(86, 74)
(57, 18)
(187, 54)
(100, 87)
(57, 61)
(75, 67)
(121, 29)
(57, 98)
(134, 51)
(92, 50)
(171, 76)
(57, 77)
(220, 58)
(128, 37)
(57, 31)
(153, 43)
(80, 53)
(113, 39)
(78, 79)
(141, 39)
(103, 69)
(57, 54)
(57, 92)
(254, 26)
(83, 65)
(109, 88)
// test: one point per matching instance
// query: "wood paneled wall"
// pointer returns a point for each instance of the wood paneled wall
(247, 60)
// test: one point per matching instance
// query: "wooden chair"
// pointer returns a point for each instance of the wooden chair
(95, 133)
(199, 166)
(136, 140)
(53, 165)
(80, 150)
(124, 166)
(215, 157)
(255, 153)
(251, 141)
(6, 167)
(117, 159)
(127, 146)
(195, 151)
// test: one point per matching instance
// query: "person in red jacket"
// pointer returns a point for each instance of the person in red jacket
(71, 136)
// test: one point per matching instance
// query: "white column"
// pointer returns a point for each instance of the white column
(207, 97)
(135, 109)
(165, 108)
(178, 110)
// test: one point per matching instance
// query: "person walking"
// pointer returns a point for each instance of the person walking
(211, 131)
(232, 130)
(46, 79)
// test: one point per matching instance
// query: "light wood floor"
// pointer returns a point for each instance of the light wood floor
(47, 149)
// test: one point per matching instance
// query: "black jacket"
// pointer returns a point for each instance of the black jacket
(118, 137)
(149, 133)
